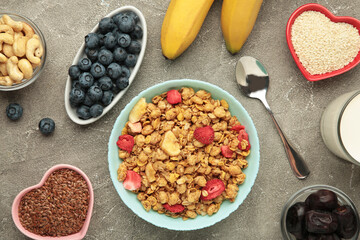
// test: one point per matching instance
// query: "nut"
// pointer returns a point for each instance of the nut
(26, 68)
(31, 46)
(17, 26)
(3, 68)
(8, 50)
(28, 30)
(19, 45)
(6, 81)
(6, 38)
(14, 73)
(3, 59)
(6, 29)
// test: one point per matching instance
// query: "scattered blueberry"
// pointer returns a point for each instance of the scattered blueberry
(134, 47)
(107, 97)
(97, 70)
(124, 40)
(77, 96)
(84, 64)
(122, 83)
(110, 41)
(92, 40)
(137, 33)
(114, 70)
(96, 110)
(95, 93)
(126, 23)
(74, 72)
(83, 112)
(87, 101)
(86, 80)
(14, 111)
(46, 126)
(105, 57)
(106, 25)
(120, 54)
(125, 72)
(92, 54)
(105, 83)
(130, 60)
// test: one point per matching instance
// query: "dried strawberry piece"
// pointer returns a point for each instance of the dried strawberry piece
(243, 135)
(237, 128)
(174, 208)
(126, 142)
(173, 96)
(244, 145)
(213, 188)
(135, 127)
(226, 151)
(204, 135)
(132, 180)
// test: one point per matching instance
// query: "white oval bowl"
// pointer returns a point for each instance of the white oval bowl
(81, 53)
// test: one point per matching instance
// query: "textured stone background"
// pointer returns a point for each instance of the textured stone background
(297, 104)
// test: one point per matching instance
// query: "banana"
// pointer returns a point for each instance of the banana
(182, 22)
(237, 20)
(170, 144)
(138, 111)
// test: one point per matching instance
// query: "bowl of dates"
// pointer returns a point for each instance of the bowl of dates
(320, 212)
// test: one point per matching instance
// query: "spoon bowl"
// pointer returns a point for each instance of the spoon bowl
(253, 80)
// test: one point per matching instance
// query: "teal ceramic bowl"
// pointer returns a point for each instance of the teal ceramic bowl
(161, 220)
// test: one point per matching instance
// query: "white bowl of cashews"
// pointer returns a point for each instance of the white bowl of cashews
(22, 52)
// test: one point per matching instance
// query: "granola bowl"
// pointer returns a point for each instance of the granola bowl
(225, 208)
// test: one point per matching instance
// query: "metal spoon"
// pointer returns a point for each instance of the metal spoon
(253, 80)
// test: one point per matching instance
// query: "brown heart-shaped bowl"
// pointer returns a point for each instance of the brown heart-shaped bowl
(49, 178)
(319, 8)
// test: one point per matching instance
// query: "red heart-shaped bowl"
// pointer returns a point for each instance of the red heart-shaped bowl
(79, 235)
(319, 8)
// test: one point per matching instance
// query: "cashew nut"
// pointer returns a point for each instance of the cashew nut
(19, 45)
(6, 38)
(2, 21)
(39, 51)
(26, 68)
(28, 30)
(6, 81)
(6, 29)
(3, 69)
(31, 46)
(8, 50)
(3, 58)
(17, 26)
(14, 73)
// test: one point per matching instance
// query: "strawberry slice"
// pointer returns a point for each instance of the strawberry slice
(126, 142)
(226, 151)
(132, 180)
(237, 128)
(243, 135)
(174, 208)
(204, 135)
(213, 188)
(242, 145)
(173, 96)
(135, 127)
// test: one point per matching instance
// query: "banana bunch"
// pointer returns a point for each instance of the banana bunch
(184, 19)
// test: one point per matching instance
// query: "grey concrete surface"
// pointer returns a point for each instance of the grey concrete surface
(297, 104)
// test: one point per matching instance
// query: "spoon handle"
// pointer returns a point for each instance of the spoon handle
(297, 163)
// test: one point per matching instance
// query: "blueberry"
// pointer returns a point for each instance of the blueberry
(120, 54)
(134, 47)
(96, 110)
(101, 39)
(46, 126)
(130, 60)
(77, 96)
(133, 15)
(14, 111)
(122, 83)
(86, 80)
(92, 54)
(107, 97)
(105, 83)
(76, 84)
(137, 33)
(105, 57)
(124, 40)
(117, 17)
(74, 72)
(106, 25)
(126, 23)
(114, 70)
(110, 41)
(125, 72)
(83, 112)
(84, 64)
(97, 70)
(95, 93)
(92, 40)
(115, 89)
(87, 101)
